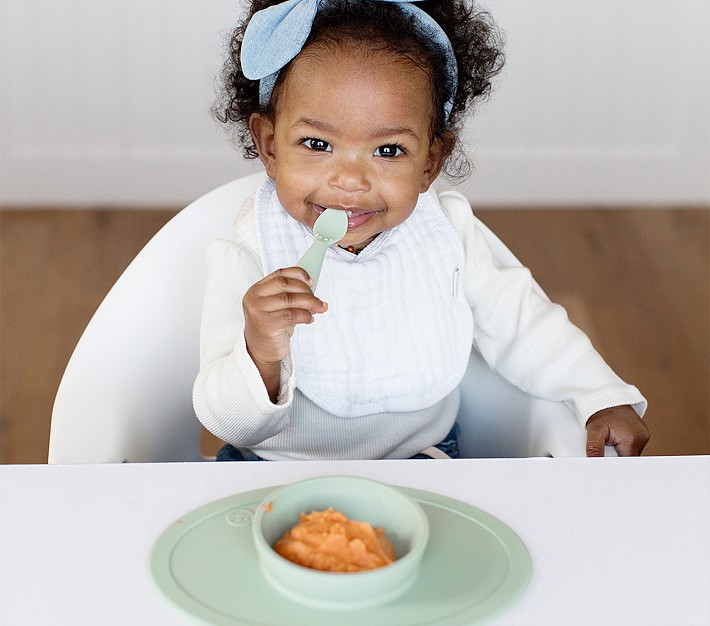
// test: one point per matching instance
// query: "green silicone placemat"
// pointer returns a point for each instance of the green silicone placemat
(474, 568)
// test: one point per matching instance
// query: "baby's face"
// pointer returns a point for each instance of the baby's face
(351, 133)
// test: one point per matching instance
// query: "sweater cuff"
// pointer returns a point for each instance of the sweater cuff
(253, 379)
(288, 380)
(606, 398)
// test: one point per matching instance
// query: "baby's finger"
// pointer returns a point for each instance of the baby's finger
(287, 319)
(596, 439)
(633, 442)
(287, 300)
(289, 274)
(275, 284)
(626, 448)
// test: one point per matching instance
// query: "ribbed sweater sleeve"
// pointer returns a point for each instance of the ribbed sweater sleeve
(229, 383)
(528, 339)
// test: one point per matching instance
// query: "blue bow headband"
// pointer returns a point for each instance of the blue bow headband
(275, 35)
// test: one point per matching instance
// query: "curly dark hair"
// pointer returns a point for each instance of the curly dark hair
(475, 39)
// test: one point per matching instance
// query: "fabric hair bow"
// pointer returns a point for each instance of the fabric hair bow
(275, 35)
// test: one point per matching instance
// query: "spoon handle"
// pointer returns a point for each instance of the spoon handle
(312, 260)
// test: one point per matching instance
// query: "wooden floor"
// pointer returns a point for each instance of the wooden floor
(637, 281)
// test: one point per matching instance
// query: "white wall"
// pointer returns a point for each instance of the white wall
(106, 102)
(602, 101)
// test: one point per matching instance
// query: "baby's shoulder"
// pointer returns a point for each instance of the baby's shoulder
(245, 221)
(224, 253)
(244, 233)
(456, 208)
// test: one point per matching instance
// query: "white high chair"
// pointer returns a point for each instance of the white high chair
(126, 394)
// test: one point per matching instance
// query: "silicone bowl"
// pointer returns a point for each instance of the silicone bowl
(402, 519)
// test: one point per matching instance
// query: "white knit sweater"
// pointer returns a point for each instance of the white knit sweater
(518, 331)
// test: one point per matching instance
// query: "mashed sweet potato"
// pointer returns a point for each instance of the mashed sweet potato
(329, 541)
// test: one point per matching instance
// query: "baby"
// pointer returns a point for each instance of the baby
(357, 105)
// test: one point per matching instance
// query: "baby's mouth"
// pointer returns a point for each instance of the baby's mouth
(355, 218)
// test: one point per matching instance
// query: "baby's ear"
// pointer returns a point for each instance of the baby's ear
(439, 151)
(262, 132)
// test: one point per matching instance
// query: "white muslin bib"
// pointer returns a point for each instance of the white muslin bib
(398, 331)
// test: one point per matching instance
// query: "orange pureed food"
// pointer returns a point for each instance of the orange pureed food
(329, 541)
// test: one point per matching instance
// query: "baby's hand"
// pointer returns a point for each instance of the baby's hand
(272, 308)
(618, 426)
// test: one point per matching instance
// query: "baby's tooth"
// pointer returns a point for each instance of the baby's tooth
(350, 213)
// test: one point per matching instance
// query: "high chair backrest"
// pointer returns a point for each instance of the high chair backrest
(126, 394)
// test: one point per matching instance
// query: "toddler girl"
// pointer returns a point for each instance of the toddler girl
(356, 105)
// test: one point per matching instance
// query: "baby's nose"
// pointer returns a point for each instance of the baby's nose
(351, 175)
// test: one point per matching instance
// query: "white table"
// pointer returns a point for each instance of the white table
(613, 541)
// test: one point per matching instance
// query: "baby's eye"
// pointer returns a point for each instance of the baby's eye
(317, 144)
(390, 150)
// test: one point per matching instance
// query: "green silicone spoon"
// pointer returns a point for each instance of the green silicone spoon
(330, 228)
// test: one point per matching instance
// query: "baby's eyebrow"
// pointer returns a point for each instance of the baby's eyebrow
(317, 124)
(386, 131)
(383, 131)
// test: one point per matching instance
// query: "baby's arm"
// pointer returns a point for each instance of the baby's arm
(272, 308)
(230, 396)
(531, 342)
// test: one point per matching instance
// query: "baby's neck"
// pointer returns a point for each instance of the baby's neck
(352, 249)
(358, 247)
